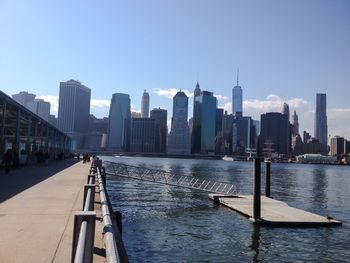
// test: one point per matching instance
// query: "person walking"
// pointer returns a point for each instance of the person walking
(7, 160)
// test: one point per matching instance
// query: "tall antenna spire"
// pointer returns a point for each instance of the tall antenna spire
(237, 76)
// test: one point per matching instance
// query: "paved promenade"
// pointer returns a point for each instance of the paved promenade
(37, 206)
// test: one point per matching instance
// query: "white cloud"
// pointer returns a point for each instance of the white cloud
(53, 103)
(171, 92)
(221, 97)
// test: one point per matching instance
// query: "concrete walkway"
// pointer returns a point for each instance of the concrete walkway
(37, 211)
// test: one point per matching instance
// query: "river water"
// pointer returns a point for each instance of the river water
(170, 224)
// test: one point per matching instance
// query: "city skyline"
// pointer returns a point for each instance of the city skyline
(286, 51)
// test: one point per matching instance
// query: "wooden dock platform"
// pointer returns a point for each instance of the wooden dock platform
(273, 212)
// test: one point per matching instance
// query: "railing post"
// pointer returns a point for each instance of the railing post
(257, 190)
(93, 177)
(92, 197)
(267, 178)
(86, 252)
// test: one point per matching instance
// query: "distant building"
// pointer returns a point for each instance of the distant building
(119, 122)
(306, 136)
(346, 147)
(237, 99)
(243, 135)
(161, 117)
(53, 120)
(218, 121)
(337, 146)
(285, 111)
(135, 114)
(204, 123)
(40, 108)
(295, 124)
(313, 146)
(98, 128)
(143, 135)
(145, 105)
(297, 145)
(179, 140)
(321, 128)
(24, 98)
(227, 124)
(74, 110)
(274, 134)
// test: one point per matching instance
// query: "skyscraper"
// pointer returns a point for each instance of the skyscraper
(321, 132)
(41, 108)
(143, 135)
(273, 133)
(24, 98)
(204, 123)
(237, 99)
(145, 105)
(295, 130)
(285, 111)
(119, 122)
(160, 117)
(179, 141)
(74, 110)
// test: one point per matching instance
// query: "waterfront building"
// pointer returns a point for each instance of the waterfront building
(179, 140)
(26, 133)
(74, 110)
(237, 99)
(337, 145)
(24, 98)
(243, 135)
(161, 117)
(119, 122)
(316, 159)
(145, 105)
(321, 129)
(204, 123)
(346, 147)
(274, 134)
(143, 135)
(40, 107)
(313, 146)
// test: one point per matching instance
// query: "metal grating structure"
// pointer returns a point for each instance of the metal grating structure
(163, 177)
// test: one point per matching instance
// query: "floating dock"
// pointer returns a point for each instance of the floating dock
(274, 213)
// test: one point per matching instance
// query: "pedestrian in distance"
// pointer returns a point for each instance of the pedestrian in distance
(7, 160)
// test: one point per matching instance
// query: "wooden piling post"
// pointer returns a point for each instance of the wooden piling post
(267, 178)
(257, 189)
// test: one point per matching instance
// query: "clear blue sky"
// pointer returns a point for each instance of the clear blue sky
(292, 49)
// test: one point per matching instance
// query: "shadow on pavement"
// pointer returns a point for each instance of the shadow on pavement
(25, 177)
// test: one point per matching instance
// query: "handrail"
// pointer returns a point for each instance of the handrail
(115, 250)
(79, 255)
(84, 223)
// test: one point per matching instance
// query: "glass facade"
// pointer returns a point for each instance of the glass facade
(119, 122)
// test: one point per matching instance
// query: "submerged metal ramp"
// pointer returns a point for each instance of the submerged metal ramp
(168, 178)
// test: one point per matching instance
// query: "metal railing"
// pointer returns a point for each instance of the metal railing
(84, 222)
(164, 177)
